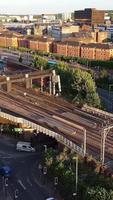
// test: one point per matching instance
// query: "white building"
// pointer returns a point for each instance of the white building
(61, 32)
(67, 16)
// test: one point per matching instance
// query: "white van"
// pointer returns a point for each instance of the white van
(24, 146)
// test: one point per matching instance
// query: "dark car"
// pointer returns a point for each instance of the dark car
(5, 171)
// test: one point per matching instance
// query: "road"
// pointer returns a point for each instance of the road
(28, 58)
(25, 176)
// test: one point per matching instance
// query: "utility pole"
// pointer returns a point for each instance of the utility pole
(76, 182)
(104, 134)
(84, 141)
(50, 85)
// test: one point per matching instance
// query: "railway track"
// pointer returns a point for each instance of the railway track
(24, 107)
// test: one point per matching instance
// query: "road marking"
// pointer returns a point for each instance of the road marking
(22, 185)
(28, 180)
(10, 196)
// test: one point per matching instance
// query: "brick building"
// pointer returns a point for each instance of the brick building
(87, 51)
(33, 44)
(23, 42)
(73, 49)
(61, 48)
(103, 52)
(68, 47)
(91, 51)
(41, 44)
(2, 41)
(96, 51)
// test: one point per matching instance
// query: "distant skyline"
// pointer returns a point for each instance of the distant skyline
(50, 6)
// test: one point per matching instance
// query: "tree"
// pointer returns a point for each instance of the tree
(98, 193)
(84, 89)
(66, 78)
(104, 74)
(39, 62)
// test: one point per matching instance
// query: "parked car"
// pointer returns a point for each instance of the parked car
(5, 171)
(24, 146)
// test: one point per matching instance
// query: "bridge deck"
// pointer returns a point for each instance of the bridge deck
(57, 115)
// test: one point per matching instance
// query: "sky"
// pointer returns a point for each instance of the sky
(50, 6)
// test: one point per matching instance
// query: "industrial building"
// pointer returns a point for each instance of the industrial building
(89, 16)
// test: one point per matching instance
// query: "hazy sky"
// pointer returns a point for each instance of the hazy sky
(50, 6)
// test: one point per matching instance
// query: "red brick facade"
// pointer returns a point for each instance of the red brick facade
(41, 45)
(22, 42)
(73, 49)
(61, 49)
(87, 52)
(2, 41)
(91, 51)
(33, 45)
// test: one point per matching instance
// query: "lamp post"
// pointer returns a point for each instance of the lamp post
(76, 181)
(84, 131)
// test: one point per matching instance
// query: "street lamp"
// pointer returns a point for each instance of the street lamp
(76, 186)
(84, 149)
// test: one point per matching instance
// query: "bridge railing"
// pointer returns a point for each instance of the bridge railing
(60, 138)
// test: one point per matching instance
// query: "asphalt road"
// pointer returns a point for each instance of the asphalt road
(25, 177)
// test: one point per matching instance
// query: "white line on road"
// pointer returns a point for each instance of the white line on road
(28, 180)
(22, 185)
(10, 198)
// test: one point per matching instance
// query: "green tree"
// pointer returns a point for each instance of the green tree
(98, 193)
(104, 74)
(39, 62)
(84, 89)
